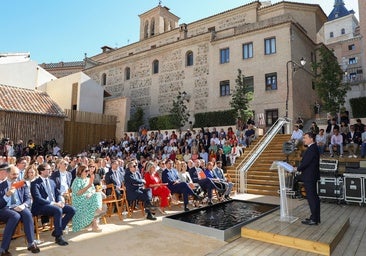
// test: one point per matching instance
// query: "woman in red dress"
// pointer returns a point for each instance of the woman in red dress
(158, 188)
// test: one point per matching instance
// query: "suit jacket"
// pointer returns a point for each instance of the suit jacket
(56, 177)
(39, 194)
(309, 165)
(23, 194)
(134, 183)
(169, 176)
(110, 178)
(194, 174)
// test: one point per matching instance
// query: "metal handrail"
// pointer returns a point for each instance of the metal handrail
(256, 151)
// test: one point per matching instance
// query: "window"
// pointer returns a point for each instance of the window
(155, 66)
(353, 76)
(146, 29)
(249, 81)
(331, 34)
(104, 79)
(352, 61)
(224, 55)
(271, 116)
(343, 31)
(152, 27)
(270, 46)
(351, 47)
(271, 81)
(225, 88)
(189, 58)
(247, 50)
(127, 73)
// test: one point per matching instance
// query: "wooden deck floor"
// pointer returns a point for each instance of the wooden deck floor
(352, 243)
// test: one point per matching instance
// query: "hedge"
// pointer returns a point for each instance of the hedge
(358, 106)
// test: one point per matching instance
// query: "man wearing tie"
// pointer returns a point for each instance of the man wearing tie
(48, 201)
(14, 207)
(21, 164)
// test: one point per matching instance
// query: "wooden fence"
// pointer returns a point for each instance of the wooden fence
(26, 126)
(83, 129)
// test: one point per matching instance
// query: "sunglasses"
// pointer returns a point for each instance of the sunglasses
(86, 170)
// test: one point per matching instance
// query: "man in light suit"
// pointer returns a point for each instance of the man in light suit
(14, 207)
(309, 168)
(116, 177)
(48, 201)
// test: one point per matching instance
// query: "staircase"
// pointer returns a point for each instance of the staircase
(259, 178)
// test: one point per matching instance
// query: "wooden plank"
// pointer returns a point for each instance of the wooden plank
(320, 239)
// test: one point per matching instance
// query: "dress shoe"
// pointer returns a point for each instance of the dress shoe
(309, 222)
(150, 217)
(210, 203)
(60, 241)
(186, 209)
(308, 219)
(6, 253)
(227, 197)
(33, 248)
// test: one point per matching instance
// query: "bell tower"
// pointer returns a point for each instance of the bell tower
(157, 21)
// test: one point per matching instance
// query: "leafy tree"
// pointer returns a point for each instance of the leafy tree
(179, 111)
(241, 97)
(328, 83)
(136, 120)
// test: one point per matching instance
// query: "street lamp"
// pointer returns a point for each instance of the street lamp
(294, 67)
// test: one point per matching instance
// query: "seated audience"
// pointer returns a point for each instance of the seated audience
(321, 140)
(336, 141)
(135, 189)
(297, 135)
(14, 207)
(353, 141)
(158, 188)
(85, 199)
(48, 201)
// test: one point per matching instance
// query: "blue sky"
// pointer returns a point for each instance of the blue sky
(63, 30)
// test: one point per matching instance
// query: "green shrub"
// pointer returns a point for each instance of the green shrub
(217, 118)
(358, 106)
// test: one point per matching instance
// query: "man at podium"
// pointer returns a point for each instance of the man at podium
(309, 168)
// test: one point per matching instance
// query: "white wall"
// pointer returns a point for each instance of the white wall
(25, 74)
(90, 94)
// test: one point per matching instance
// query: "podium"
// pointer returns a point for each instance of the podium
(285, 175)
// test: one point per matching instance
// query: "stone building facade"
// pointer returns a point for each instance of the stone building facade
(344, 35)
(202, 58)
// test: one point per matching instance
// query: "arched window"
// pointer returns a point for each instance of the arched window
(189, 58)
(343, 31)
(146, 29)
(127, 73)
(331, 34)
(155, 66)
(104, 79)
(152, 27)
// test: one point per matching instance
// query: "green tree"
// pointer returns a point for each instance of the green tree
(241, 97)
(136, 120)
(179, 111)
(328, 81)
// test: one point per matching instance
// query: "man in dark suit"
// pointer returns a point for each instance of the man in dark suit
(135, 189)
(48, 201)
(170, 176)
(309, 168)
(62, 178)
(14, 207)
